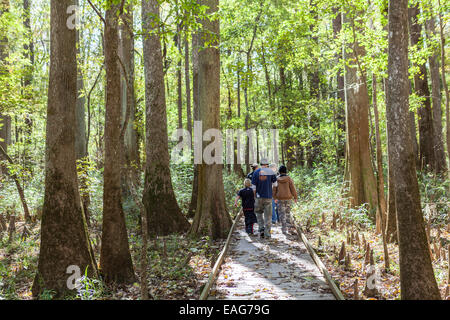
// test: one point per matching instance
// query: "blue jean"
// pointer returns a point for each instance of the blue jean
(275, 216)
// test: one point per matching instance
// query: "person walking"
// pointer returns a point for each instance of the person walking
(248, 205)
(254, 168)
(263, 180)
(275, 217)
(283, 193)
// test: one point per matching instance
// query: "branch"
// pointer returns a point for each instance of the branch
(89, 105)
(19, 187)
(97, 11)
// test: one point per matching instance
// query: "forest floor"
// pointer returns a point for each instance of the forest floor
(179, 266)
(269, 269)
(327, 242)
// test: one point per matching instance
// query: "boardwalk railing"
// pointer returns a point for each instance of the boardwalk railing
(336, 292)
(219, 261)
(213, 275)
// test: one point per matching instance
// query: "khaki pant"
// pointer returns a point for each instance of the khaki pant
(284, 212)
(263, 210)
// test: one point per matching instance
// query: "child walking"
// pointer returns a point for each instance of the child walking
(248, 205)
(283, 194)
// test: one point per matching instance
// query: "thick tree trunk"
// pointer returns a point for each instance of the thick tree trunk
(115, 258)
(64, 238)
(163, 213)
(426, 131)
(211, 216)
(363, 185)
(438, 144)
(131, 144)
(416, 272)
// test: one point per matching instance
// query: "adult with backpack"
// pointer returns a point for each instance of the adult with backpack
(263, 180)
(283, 193)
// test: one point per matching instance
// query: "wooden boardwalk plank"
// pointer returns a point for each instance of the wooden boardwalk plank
(279, 268)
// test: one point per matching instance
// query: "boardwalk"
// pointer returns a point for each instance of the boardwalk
(279, 268)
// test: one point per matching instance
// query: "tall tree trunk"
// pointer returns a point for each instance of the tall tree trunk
(131, 143)
(380, 173)
(313, 153)
(267, 75)
(438, 143)
(340, 95)
(115, 258)
(80, 131)
(195, 50)
(426, 133)
(187, 84)
(64, 238)
(28, 46)
(363, 185)
(29, 55)
(237, 155)
(416, 272)
(179, 78)
(211, 216)
(163, 213)
(444, 82)
(288, 142)
(5, 119)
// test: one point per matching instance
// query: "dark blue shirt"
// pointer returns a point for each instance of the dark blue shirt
(248, 198)
(263, 179)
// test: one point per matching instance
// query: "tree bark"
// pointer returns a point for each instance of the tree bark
(115, 258)
(81, 146)
(444, 82)
(340, 95)
(363, 185)
(211, 217)
(163, 213)
(195, 50)
(438, 143)
(64, 238)
(416, 272)
(187, 84)
(426, 131)
(131, 143)
(5, 119)
(379, 153)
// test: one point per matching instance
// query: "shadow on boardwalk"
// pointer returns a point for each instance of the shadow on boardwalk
(277, 268)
